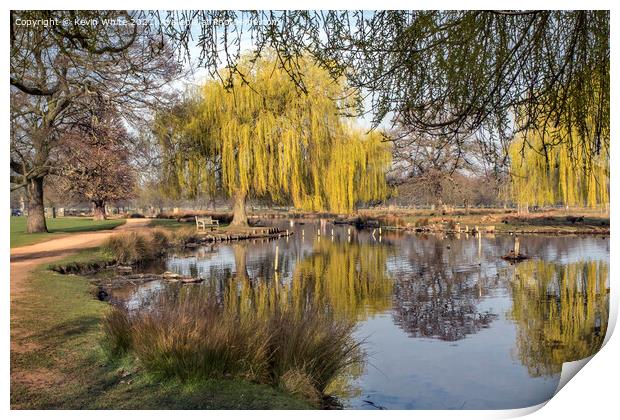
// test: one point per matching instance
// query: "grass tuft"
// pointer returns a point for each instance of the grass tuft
(184, 235)
(131, 248)
(161, 238)
(194, 336)
(300, 384)
(138, 248)
(117, 329)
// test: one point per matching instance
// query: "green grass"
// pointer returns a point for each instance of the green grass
(56, 227)
(174, 224)
(170, 223)
(57, 360)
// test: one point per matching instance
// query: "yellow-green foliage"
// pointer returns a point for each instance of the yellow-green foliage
(353, 282)
(268, 139)
(557, 166)
(561, 312)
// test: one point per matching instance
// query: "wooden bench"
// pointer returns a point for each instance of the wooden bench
(206, 222)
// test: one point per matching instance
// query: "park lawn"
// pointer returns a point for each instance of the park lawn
(175, 224)
(57, 360)
(170, 223)
(57, 227)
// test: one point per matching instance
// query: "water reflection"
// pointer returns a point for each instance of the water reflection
(561, 312)
(352, 279)
(441, 307)
(444, 319)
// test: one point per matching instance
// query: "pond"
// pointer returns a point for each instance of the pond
(444, 321)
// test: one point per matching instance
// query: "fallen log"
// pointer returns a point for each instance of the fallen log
(141, 278)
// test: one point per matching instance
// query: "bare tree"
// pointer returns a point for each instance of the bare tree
(58, 69)
(96, 164)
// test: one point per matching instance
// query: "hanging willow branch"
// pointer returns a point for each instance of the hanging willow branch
(270, 141)
(438, 73)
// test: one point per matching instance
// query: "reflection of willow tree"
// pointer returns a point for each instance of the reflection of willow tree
(561, 312)
(439, 302)
(349, 279)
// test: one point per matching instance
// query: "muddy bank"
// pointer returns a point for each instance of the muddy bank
(486, 223)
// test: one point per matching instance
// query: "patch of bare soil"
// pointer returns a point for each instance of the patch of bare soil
(38, 378)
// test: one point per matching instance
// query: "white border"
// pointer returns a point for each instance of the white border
(592, 395)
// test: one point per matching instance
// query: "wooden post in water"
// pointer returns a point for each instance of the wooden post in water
(517, 246)
(276, 261)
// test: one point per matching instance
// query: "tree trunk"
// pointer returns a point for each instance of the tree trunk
(240, 217)
(99, 210)
(36, 210)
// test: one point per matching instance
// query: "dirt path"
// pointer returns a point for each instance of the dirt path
(24, 259)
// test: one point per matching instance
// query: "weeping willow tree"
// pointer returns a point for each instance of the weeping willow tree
(260, 137)
(564, 163)
(561, 312)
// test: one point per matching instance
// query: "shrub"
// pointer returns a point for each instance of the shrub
(196, 336)
(223, 217)
(392, 220)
